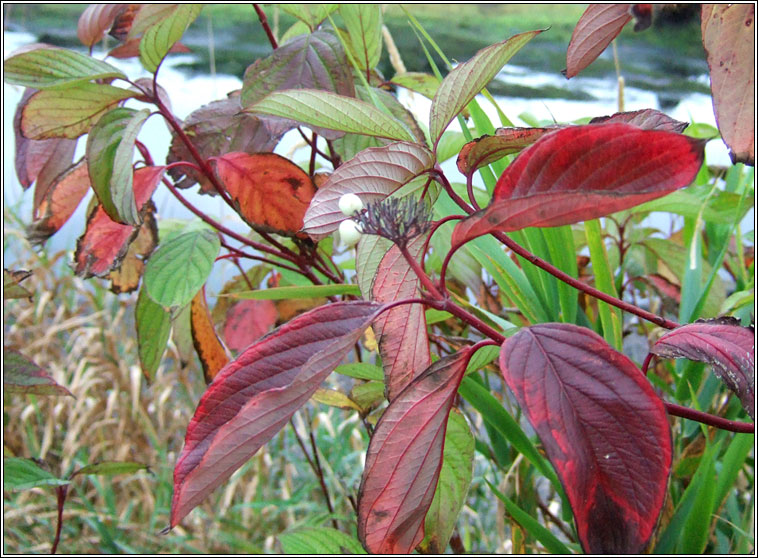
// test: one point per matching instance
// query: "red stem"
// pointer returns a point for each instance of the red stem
(434, 228)
(712, 420)
(264, 22)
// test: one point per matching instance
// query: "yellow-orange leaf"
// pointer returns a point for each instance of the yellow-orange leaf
(207, 344)
(270, 192)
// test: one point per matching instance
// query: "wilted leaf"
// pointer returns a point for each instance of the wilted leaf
(122, 24)
(364, 25)
(722, 343)
(247, 321)
(466, 81)
(598, 26)
(105, 242)
(23, 474)
(647, 119)
(452, 486)
(270, 192)
(602, 426)
(334, 112)
(255, 395)
(110, 150)
(180, 267)
(218, 128)
(153, 328)
(126, 277)
(212, 354)
(43, 68)
(21, 375)
(404, 459)
(96, 21)
(59, 203)
(729, 40)
(159, 37)
(11, 284)
(372, 175)
(487, 149)
(69, 112)
(312, 61)
(584, 172)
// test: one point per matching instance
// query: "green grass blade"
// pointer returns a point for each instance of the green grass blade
(610, 317)
(287, 293)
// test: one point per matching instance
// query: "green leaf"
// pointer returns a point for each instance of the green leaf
(160, 37)
(369, 394)
(531, 525)
(285, 293)
(310, 14)
(319, 540)
(69, 112)
(452, 485)
(332, 111)
(22, 474)
(361, 371)
(153, 329)
(110, 150)
(110, 468)
(466, 80)
(21, 375)
(364, 25)
(54, 67)
(180, 266)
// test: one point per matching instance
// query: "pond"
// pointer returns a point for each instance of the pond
(581, 97)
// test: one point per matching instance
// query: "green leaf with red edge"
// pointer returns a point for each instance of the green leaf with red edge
(45, 159)
(724, 344)
(271, 193)
(105, 242)
(110, 150)
(153, 325)
(728, 32)
(372, 175)
(21, 375)
(467, 80)
(208, 346)
(313, 61)
(404, 459)
(96, 21)
(69, 112)
(598, 26)
(180, 266)
(159, 37)
(59, 203)
(43, 68)
(603, 428)
(585, 172)
(255, 395)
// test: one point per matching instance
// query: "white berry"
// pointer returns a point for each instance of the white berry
(350, 232)
(350, 204)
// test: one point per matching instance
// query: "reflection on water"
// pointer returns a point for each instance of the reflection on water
(190, 91)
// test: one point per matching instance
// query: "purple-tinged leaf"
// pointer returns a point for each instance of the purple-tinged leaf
(647, 119)
(255, 395)
(487, 149)
(598, 26)
(728, 32)
(466, 81)
(372, 175)
(404, 459)
(722, 343)
(401, 331)
(602, 426)
(21, 375)
(96, 21)
(585, 172)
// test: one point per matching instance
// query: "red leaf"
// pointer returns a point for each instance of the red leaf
(584, 172)
(647, 119)
(602, 426)
(247, 321)
(722, 343)
(404, 459)
(96, 20)
(60, 202)
(401, 331)
(255, 395)
(598, 26)
(729, 40)
(105, 242)
(270, 192)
